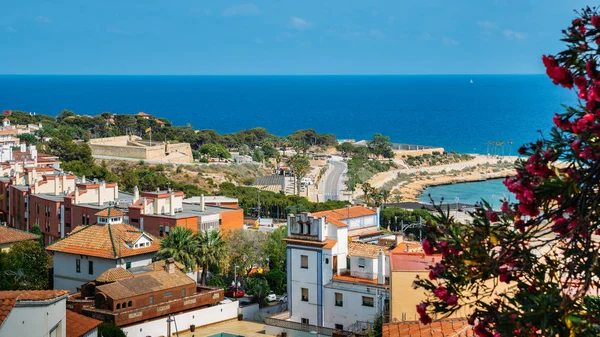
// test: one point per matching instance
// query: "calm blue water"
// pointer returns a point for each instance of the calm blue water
(469, 193)
(443, 111)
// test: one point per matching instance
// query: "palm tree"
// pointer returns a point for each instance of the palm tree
(181, 246)
(397, 198)
(212, 251)
(510, 142)
(385, 195)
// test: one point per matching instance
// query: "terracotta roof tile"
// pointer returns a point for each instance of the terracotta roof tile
(330, 244)
(114, 274)
(32, 295)
(443, 328)
(105, 241)
(110, 211)
(336, 216)
(145, 283)
(6, 306)
(369, 250)
(79, 325)
(8, 235)
(401, 260)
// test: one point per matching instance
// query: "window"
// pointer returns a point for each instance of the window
(305, 321)
(339, 327)
(83, 219)
(91, 267)
(127, 265)
(151, 299)
(182, 292)
(339, 300)
(361, 262)
(304, 261)
(168, 294)
(78, 265)
(129, 304)
(367, 301)
(118, 306)
(133, 220)
(161, 230)
(68, 224)
(37, 209)
(124, 305)
(304, 294)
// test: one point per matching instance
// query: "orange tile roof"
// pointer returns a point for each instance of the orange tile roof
(411, 261)
(114, 274)
(443, 328)
(6, 305)
(79, 325)
(330, 244)
(8, 235)
(105, 241)
(32, 295)
(369, 250)
(145, 283)
(335, 216)
(110, 211)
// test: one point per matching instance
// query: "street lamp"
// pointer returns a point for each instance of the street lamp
(235, 283)
(456, 200)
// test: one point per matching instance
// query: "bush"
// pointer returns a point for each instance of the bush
(109, 329)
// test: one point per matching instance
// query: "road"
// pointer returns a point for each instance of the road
(332, 181)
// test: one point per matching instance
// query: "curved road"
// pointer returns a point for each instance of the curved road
(332, 184)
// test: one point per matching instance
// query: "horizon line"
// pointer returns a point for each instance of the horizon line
(230, 75)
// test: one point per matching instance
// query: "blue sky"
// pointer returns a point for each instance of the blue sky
(280, 37)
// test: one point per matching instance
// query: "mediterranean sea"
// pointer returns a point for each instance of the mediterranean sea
(469, 193)
(447, 111)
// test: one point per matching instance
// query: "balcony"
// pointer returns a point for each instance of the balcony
(205, 296)
(306, 237)
(358, 276)
(282, 320)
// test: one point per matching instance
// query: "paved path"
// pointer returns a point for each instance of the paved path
(332, 181)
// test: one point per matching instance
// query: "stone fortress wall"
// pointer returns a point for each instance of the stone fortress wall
(135, 147)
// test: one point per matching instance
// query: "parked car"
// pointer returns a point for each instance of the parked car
(234, 292)
(244, 303)
(271, 297)
(226, 301)
(283, 299)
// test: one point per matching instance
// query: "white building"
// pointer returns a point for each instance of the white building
(88, 251)
(334, 283)
(33, 313)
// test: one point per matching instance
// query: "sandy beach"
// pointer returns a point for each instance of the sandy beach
(478, 169)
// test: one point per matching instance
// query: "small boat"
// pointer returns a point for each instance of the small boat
(471, 81)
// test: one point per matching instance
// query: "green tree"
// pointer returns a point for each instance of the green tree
(182, 246)
(37, 230)
(381, 146)
(208, 150)
(25, 267)
(213, 251)
(246, 249)
(276, 249)
(109, 329)
(258, 287)
(277, 280)
(64, 114)
(346, 148)
(27, 138)
(300, 165)
(222, 152)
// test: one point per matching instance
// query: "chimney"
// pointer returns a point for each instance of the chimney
(380, 267)
(408, 247)
(170, 265)
(56, 185)
(398, 240)
(101, 188)
(33, 152)
(83, 179)
(116, 190)
(172, 203)
(202, 205)
(23, 147)
(64, 182)
(144, 201)
(76, 195)
(136, 193)
(156, 210)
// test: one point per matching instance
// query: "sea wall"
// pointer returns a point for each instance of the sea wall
(400, 153)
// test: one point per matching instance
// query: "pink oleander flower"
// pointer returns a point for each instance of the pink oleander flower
(428, 247)
(442, 293)
(595, 21)
(452, 300)
(491, 215)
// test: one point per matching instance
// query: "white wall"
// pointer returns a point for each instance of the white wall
(352, 309)
(200, 317)
(66, 276)
(36, 321)
(365, 221)
(304, 278)
(136, 260)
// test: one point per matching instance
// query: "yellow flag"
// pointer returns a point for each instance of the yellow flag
(148, 130)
